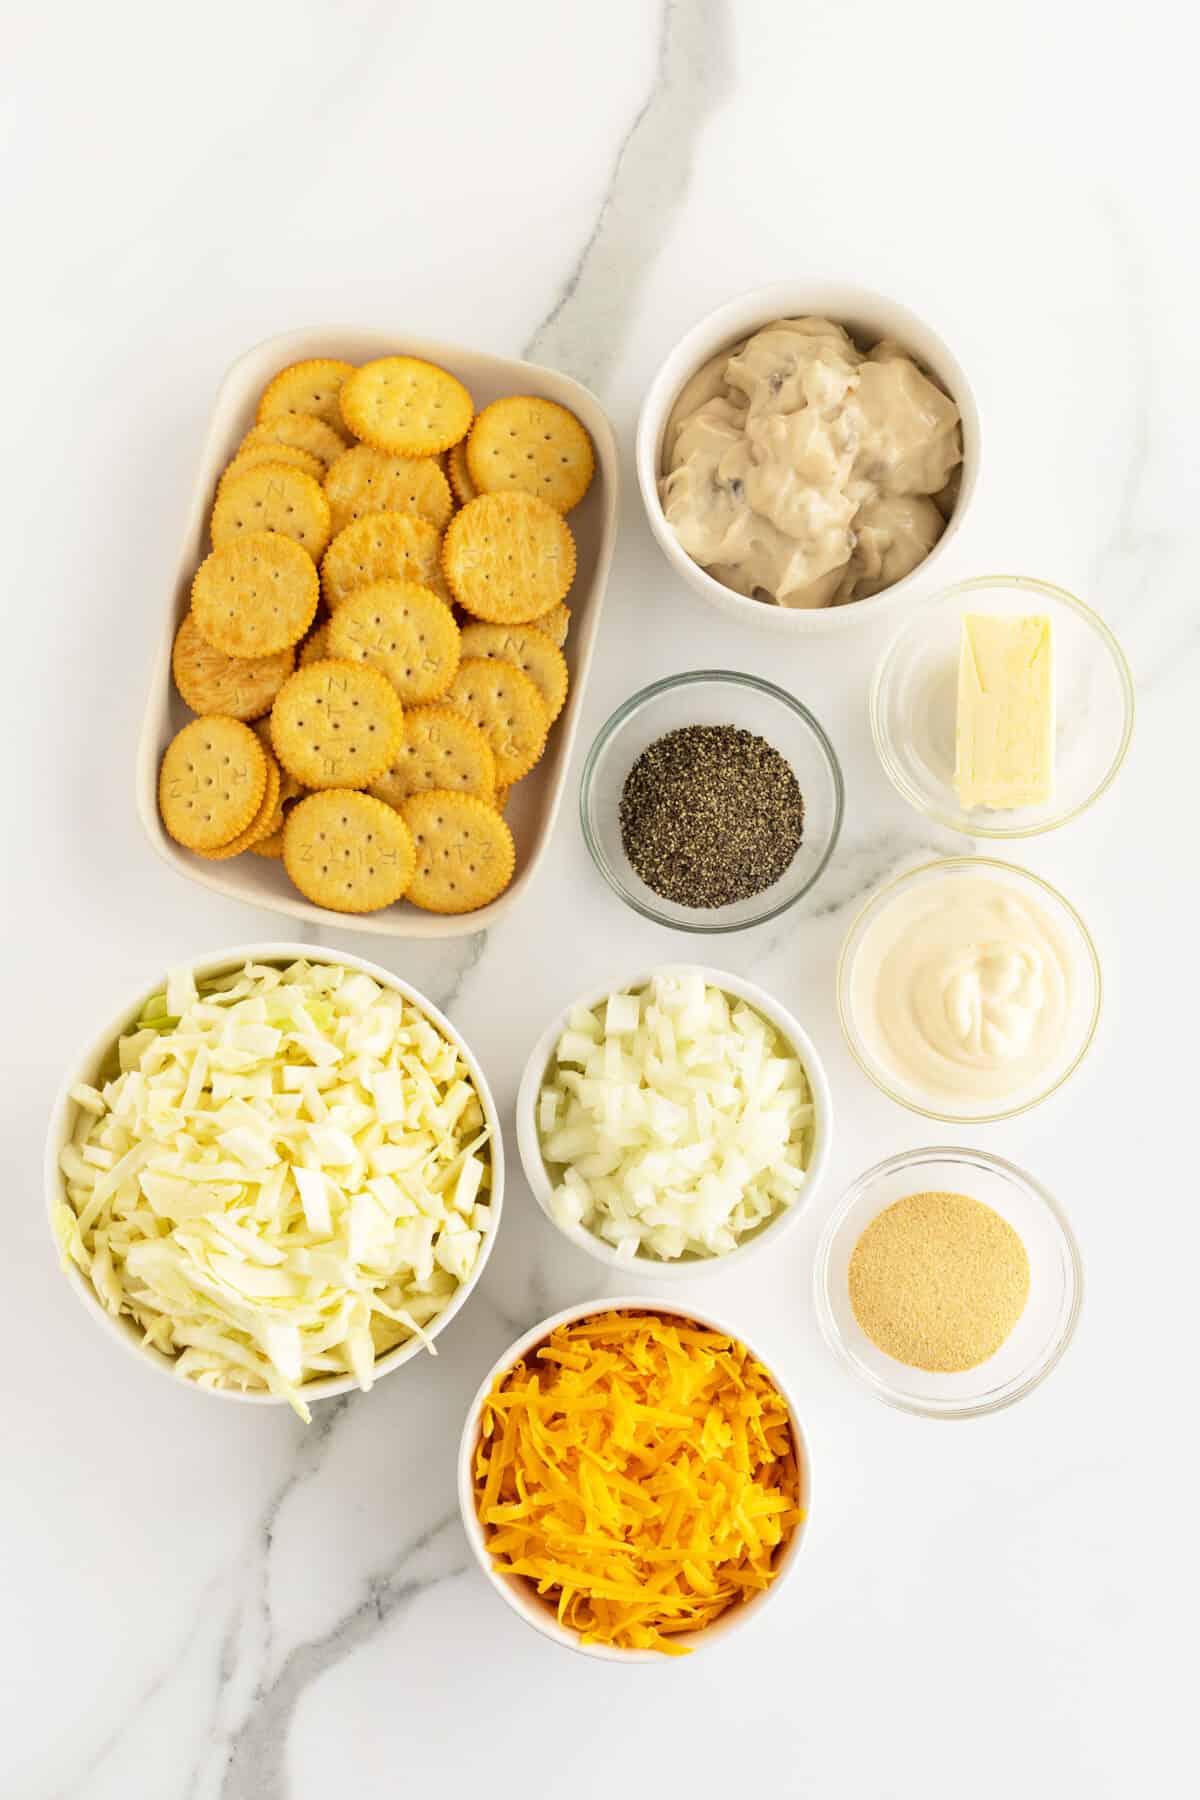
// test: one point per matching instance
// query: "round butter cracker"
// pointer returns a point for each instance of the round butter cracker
(508, 558)
(465, 854)
(348, 852)
(271, 496)
(506, 706)
(532, 446)
(211, 782)
(441, 749)
(256, 595)
(209, 681)
(312, 386)
(249, 456)
(267, 819)
(298, 431)
(526, 648)
(406, 405)
(336, 724)
(365, 479)
(404, 631)
(383, 546)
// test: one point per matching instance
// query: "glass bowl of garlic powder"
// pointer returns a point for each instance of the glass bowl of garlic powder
(949, 1281)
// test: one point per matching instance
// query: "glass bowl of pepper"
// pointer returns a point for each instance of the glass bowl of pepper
(711, 801)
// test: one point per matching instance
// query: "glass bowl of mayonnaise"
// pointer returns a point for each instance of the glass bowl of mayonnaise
(969, 990)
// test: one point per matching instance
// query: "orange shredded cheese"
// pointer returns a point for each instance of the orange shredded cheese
(641, 1473)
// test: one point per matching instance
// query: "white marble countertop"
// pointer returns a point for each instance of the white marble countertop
(205, 1600)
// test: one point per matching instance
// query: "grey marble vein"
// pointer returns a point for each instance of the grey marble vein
(254, 1760)
(1131, 562)
(585, 328)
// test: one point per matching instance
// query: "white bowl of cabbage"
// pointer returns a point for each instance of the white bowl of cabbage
(277, 1175)
(675, 1124)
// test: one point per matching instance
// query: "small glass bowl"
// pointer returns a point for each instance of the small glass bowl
(1084, 992)
(1041, 1334)
(711, 697)
(914, 702)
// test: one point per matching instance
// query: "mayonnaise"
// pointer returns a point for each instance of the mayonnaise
(962, 989)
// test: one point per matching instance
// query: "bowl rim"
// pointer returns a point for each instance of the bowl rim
(724, 324)
(533, 1611)
(959, 821)
(774, 1229)
(826, 1319)
(608, 731)
(122, 1330)
(852, 942)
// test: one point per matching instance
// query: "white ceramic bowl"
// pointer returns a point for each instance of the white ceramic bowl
(533, 808)
(520, 1594)
(868, 317)
(773, 1230)
(86, 1067)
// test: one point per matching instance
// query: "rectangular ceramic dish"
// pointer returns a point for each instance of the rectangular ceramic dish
(534, 804)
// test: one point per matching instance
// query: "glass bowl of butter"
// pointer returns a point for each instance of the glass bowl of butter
(1002, 708)
(968, 990)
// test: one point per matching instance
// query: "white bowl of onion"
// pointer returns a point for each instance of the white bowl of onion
(683, 1129)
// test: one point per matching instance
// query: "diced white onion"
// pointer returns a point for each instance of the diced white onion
(673, 1121)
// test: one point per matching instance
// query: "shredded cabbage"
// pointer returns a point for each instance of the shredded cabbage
(673, 1121)
(282, 1174)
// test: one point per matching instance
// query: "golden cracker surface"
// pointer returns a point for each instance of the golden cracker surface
(209, 681)
(249, 456)
(506, 706)
(267, 819)
(337, 724)
(526, 648)
(347, 851)
(441, 749)
(459, 473)
(365, 479)
(404, 631)
(271, 496)
(289, 788)
(508, 558)
(270, 846)
(300, 431)
(532, 446)
(312, 386)
(211, 782)
(465, 854)
(556, 623)
(256, 595)
(315, 647)
(383, 546)
(406, 405)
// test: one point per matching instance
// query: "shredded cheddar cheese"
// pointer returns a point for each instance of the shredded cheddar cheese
(641, 1473)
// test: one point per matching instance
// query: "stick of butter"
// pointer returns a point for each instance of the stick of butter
(1004, 735)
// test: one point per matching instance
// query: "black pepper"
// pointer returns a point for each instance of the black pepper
(710, 814)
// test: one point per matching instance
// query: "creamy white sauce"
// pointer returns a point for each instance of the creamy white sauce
(962, 989)
(798, 470)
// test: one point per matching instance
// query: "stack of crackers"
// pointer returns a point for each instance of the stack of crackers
(374, 645)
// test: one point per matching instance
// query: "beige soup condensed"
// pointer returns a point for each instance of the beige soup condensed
(799, 470)
(938, 1281)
